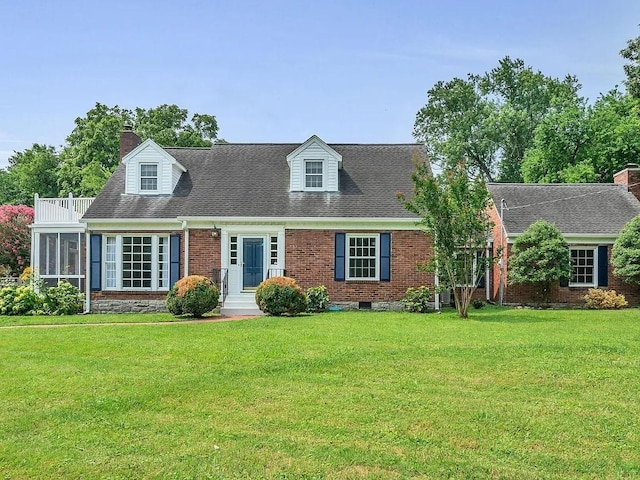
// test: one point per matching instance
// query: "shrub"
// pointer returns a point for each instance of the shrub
(281, 295)
(65, 299)
(19, 300)
(317, 299)
(194, 295)
(478, 304)
(540, 257)
(604, 299)
(417, 300)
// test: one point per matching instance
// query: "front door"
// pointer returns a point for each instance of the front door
(253, 262)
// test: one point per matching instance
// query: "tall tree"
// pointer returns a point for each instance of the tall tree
(580, 143)
(453, 211)
(632, 69)
(92, 150)
(31, 171)
(487, 121)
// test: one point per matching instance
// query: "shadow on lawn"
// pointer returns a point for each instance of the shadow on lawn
(515, 315)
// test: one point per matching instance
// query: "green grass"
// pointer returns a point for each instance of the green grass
(6, 321)
(511, 394)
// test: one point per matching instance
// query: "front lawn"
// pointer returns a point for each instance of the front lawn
(6, 321)
(511, 394)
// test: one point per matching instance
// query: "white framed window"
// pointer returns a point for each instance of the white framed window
(233, 250)
(110, 263)
(362, 256)
(313, 174)
(136, 262)
(148, 177)
(273, 250)
(583, 260)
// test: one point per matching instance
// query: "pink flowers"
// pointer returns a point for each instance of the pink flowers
(15, 237)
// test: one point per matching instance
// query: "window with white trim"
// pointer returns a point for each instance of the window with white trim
(313, 174)
(584, 267)
(136, 262)
(110, 262)
(362, 257)
(274, 250)
(148, 177)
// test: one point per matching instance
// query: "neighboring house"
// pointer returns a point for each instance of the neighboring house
(240, 213)
(590, 217)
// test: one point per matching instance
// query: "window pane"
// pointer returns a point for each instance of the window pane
(362, 257)
(583, 266)
(313, 174)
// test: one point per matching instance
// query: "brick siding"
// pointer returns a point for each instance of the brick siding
(310, 260)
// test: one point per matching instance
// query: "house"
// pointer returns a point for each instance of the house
(240, 213)
(590, 217)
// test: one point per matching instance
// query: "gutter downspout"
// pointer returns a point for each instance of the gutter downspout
(503, 205)
(186, 248)
(87, 283)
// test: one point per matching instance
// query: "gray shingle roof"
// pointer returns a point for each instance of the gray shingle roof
(583, 209)
(252, 180)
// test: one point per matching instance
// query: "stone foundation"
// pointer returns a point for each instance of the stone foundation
(375, 306)
(128, 306)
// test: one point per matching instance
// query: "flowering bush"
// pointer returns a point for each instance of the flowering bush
(317, 299)
(281, 295)
(15, 237)
(65, 299)
(22, 300)
(417, 300)
(604, 299)
(194, 295)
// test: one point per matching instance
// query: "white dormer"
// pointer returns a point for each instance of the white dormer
(151, 170)
(313, 167)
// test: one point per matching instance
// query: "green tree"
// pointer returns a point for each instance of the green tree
(541, 257)
(31, 171)
(487, 121)
(453, 211)
(524, 97)
(632, 69)
(559, 153)
(92, 150)
(580, 143)
(625, 255)
(458, 124)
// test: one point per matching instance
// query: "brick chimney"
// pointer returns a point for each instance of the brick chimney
(128, 140)
(630, 178)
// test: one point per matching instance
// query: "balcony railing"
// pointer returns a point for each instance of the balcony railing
(60, 210)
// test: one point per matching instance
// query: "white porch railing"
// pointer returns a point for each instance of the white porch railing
(60, 210)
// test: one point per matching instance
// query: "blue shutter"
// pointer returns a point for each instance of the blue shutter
(385, 257)
(95, 244)
(481, 264)
(339, 257)
(174, 269)
(603, 266)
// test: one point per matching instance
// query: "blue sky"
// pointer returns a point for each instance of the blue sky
(281, 70)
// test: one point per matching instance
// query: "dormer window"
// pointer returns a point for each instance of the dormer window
(148, 177)
(313, 174)
(314, 167)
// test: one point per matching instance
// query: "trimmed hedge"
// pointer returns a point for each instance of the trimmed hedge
(194, 295)
(281, 296)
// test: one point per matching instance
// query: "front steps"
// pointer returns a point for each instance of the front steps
(240, 304)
